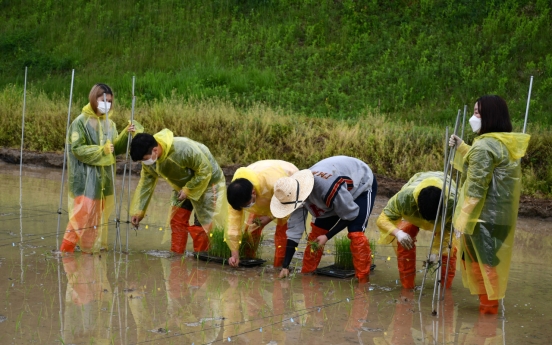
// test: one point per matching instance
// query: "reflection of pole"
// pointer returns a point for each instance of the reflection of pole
(60, 301)
(65, 149)
(117, 227)
(527, 109)
(454, 205)
(21, 175)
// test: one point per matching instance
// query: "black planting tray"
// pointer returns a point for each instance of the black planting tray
(244, 262)
(333, 271)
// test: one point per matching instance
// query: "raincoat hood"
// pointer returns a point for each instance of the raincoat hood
(516, 143)
(165, 139)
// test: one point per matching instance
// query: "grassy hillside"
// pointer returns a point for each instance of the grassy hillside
(415, 60)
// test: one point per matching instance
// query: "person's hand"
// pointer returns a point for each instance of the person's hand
(404, 239)
(234, 260)
(322, 239)
(284, 273)
(131, 129)
(457, 233)
(135, 220)
(182, 195)
(108, 148)
(455, 141)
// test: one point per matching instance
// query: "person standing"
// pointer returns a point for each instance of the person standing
(92, 144)
(486, 213)
(339, 193)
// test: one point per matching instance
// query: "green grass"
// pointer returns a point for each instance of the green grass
(343, 255)
(416, 60)
(219, 248)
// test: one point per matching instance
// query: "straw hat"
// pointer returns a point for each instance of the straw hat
(291, 192)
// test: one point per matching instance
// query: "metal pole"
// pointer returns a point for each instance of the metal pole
(527, 108)
(117, 228)
(21, 175)
(436, 217)
(130, 163)
(65, 149)
(455, 200)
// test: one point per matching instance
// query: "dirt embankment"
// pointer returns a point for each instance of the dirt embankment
(529, 206)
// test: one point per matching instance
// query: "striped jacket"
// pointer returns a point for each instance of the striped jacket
(338, 181)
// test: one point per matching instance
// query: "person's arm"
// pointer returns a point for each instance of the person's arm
(192, 157)
(88, 154)
(234, 234)
(143, 192)
(480, 172)
(120, 143)
(296, 228)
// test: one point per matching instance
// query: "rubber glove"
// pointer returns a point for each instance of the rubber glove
(455, 141)
(404, 239)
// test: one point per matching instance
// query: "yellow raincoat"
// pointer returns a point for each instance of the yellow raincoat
(90, 164)
(262, 175)
(487, 208)
(189, 166)
(404, 205)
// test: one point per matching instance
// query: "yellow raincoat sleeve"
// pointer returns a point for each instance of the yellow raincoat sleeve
(235, 221)
(389, 218)
(459, 156)
(88, 154)
(120, 144)
(478, 179)
(144, 191)
(193, 158)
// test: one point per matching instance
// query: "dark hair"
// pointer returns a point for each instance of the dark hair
(142, 144)
(239, 192)
(428, 202)
(494, 114)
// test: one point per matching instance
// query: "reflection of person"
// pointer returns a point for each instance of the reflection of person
(339, 192)
(488, 200)
(414, 207)
(92, 143)
(251, 190)
(88, 291)
(192, 172)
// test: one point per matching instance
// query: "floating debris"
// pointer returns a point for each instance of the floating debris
(3, 318)
(366, 329)
(159, 253)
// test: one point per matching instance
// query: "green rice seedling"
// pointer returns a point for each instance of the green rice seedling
(217, 244)
(343, 255)
(315, 246)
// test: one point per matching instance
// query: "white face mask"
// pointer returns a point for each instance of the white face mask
(150, 161)
(475, 123)
(250, 205)
(103, 107)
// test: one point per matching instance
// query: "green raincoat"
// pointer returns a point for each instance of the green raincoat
(189, 166)
(90, 165)
(487, 208)
(404, 205)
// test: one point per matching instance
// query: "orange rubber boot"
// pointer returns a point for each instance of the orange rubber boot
(311, 259)
(487, 306)
(180, 222)
(201, 240)
(406, 259)
(280, 241)
(362, 255)
(452, 269)
(67, 246)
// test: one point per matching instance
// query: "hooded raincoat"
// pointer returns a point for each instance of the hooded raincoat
(262, 175)
(188, 166)
(404, 205)
(487, 209)
(90, 176)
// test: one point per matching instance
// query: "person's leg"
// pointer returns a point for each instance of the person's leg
(280, 240)
(253, 238)
(180, 222)
(360, 246)
(452, 268)
(311, 258)
(406, 258)
(83, 224)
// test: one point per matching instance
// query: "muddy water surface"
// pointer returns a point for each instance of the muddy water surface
(147, 297)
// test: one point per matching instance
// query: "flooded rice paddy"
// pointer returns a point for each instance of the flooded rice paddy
(149, 297)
